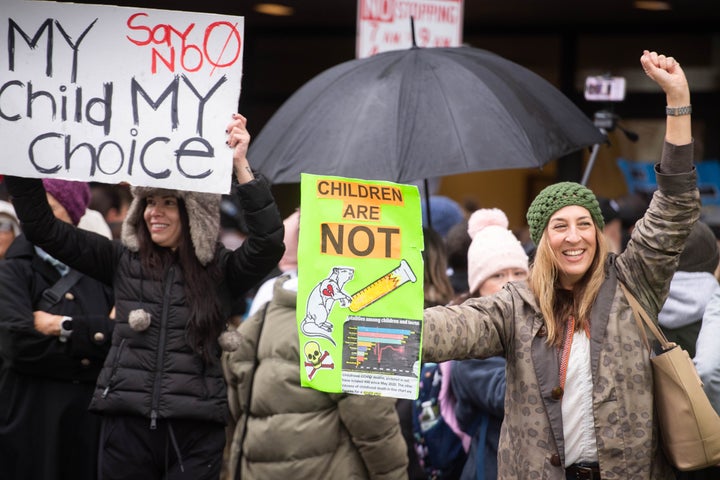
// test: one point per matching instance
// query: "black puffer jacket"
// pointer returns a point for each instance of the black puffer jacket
(154, 373)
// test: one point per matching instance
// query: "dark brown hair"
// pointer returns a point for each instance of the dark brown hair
(206, 321)
(438, 289)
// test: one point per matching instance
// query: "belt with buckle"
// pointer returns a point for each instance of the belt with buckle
(583, 471)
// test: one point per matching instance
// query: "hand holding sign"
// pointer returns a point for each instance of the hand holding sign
(239, 140)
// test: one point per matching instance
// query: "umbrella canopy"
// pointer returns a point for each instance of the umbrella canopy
(411, 114)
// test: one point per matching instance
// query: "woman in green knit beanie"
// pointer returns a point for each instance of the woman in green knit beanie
(566, 225)
(579, 388)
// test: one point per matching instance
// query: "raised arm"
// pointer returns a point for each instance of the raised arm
(668, 74)
(651, 257)
(239, 141)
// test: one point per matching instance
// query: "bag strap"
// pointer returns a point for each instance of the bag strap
(54, 294)
(642, 316)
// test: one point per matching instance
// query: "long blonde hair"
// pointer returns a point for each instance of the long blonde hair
(555, 307)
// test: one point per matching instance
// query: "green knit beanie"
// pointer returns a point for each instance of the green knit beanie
(556, 196)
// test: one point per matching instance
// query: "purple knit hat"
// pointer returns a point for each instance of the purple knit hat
(74, 196)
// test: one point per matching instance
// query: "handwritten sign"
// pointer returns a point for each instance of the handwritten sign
(384, 25)
(111, 94)
(360, 292)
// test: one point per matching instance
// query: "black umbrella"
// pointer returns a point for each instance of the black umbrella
(413, 114)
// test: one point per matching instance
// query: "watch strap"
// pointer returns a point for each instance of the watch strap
(678, 111)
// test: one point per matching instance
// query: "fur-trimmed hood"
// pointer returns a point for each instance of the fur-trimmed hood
(203, 213)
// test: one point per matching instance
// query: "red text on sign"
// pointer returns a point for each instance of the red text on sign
(220, 46)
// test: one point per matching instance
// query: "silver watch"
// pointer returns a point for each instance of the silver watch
(678, 111)
(65, 328)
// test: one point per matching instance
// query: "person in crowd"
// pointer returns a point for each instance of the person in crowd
(613, 229)
(9, 226)
(288, 264)
(712, 219)
(687, 317)
(444, 213)
(93, 221)
(437, 287)
(233, 230)
(161, 391)
(495, 257)
(437, 290)
(283, 430)
(457, 243)
(692, 286)
(112, 201)
(707, 355)
(631, 208)
(55, 330)
(523, 235)
(578, 401)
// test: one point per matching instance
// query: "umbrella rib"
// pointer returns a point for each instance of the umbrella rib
(402, 162)
(452, 117)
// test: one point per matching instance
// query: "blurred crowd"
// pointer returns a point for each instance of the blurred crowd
(467, 253)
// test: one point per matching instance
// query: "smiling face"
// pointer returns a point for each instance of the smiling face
(162, 218)
(572, 236)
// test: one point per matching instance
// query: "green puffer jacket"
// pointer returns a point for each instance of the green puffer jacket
(298, 432)
(510, 324)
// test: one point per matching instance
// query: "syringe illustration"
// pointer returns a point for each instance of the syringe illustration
(382, 286)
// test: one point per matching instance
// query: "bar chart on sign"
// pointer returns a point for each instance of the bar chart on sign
(380, 354)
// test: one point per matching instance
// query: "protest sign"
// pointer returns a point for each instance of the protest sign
(360, 292)
(384, 25)
(115, 94)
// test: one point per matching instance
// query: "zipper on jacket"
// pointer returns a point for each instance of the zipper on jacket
(116, 366)
(162, 341)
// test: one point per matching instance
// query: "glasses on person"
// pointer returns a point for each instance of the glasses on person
(6, 226)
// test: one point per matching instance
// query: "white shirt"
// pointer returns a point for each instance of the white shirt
(577, 411)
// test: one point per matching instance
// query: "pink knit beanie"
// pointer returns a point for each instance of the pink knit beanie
(493, 247)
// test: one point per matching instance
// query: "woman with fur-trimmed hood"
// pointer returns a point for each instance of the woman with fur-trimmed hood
(161, 391)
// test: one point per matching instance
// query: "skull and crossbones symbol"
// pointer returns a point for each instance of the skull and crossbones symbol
(316, 359)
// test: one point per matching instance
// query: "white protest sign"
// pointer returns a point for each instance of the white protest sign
(384, 25)
(111, 94)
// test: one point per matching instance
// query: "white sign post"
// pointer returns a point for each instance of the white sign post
(114, 94)
(384, 25)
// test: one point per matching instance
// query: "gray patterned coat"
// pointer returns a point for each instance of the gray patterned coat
(510, 324)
